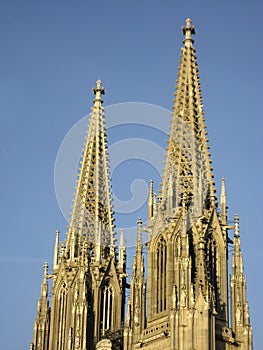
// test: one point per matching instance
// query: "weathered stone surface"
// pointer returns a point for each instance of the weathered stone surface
(182, 303)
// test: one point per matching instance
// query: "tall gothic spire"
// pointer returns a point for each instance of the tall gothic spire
(187, 286)
(88, 281)
(187, 168)
(92, 210)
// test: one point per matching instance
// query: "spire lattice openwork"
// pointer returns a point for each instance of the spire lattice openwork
(188, 168)
(92, 210)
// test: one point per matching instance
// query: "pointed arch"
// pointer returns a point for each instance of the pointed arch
(106, 307)
(161, 262)
(62, 313)
(176, 242)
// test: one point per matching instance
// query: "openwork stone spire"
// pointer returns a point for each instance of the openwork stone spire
(92, 211)
(88, 280)
(187, 248)
(187, 169)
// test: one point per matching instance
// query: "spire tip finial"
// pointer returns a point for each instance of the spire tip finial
(188, 30)
(98, 91)
(98, 84)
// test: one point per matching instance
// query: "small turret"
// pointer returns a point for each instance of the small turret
(239, 304)
(41, 324)
(136, 313)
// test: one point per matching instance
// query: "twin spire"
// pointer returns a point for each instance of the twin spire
(92, 215)
(187, 174)
(187, 190)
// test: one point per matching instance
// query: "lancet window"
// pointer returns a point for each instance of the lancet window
(62, 310)
(161, 261)
(106, 314)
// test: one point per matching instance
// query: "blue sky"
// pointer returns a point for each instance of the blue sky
(52, 52)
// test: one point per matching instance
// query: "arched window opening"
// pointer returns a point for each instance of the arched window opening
(106, 314)
(62, 310)
(161, 275)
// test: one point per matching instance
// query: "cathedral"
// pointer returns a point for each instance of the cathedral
(186, 300)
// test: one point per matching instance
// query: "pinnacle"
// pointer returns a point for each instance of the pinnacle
(223, 205)
(139, 231)
(44, 286)
(45, 268)
(236, 220)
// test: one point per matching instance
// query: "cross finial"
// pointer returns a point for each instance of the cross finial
(98, 91)
(188, 30)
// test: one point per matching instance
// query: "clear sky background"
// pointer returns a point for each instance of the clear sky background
(52, 52)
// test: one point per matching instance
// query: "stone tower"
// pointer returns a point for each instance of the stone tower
(183, 303)
(187, 285)
(88, 281)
